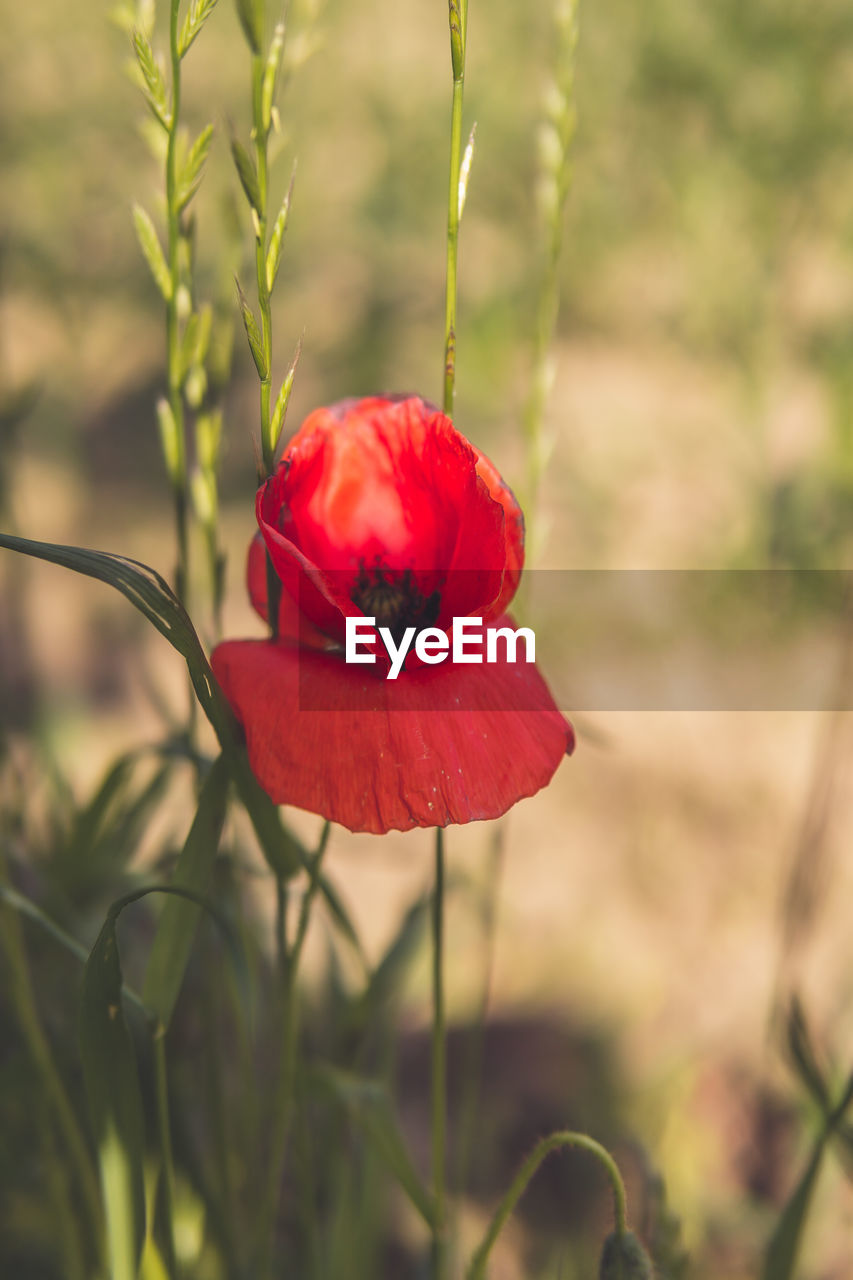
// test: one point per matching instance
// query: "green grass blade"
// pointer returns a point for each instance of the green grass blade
(783, 1250)
(148, 592)
(26, 907)
(115, 1104)
(369, 1107)
(386, 977)
(173, 940)
(105, 832)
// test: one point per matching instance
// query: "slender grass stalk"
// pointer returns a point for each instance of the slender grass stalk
(557, 135)
(20, 988)
(281, 900)
(167, 1172)
(253, 171)
(69, 1228)
(178, 467)
(286, 1079)
(204, 487)
(458, 15)
(222, 1120)
(477, 1266)
(439, 1065)
(188, 329)
(458, 38)
(260, 135)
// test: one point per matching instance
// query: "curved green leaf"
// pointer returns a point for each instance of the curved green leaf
(26, 907)
(148, 592)
(153, 597)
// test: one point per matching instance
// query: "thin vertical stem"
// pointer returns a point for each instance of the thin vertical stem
(458, 15)
(20, 988)
(286, 1080)
(222, 1125)
(439, 1064)
(164, 1132)
(473, 1067)
(458, 33)
(555, 180)
(260, 133)
(69, 1228)
(173, 337)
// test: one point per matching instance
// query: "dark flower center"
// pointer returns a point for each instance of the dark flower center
(393, 599)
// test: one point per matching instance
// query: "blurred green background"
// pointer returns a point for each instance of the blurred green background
(682, 867)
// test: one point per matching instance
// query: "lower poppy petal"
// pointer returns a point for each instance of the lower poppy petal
(379, 755)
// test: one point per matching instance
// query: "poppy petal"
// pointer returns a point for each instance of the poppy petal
(388, 483)
(292, 623)
(389, 755)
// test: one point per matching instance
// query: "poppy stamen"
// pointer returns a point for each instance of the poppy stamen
(395, 601)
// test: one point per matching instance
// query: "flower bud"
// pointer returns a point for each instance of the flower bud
(624, 1258)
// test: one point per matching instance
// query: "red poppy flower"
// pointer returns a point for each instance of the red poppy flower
(381, 509)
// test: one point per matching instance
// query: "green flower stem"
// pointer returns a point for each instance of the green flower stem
(458, 15)
(439, 1064)
(564, 1138)
(473, 1069)
(221, 1119)
(167, 1172)
(173, 336)
(286, 1079)
(458, 35)
(20, 988)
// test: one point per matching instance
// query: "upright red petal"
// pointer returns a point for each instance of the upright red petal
(387, 484)
(292, 622)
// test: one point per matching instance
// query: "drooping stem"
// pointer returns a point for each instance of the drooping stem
(164, 1133)
(458, 33)
(564, 1138)
(439, 1065)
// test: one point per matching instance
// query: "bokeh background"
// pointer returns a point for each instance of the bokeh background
(685, 869)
